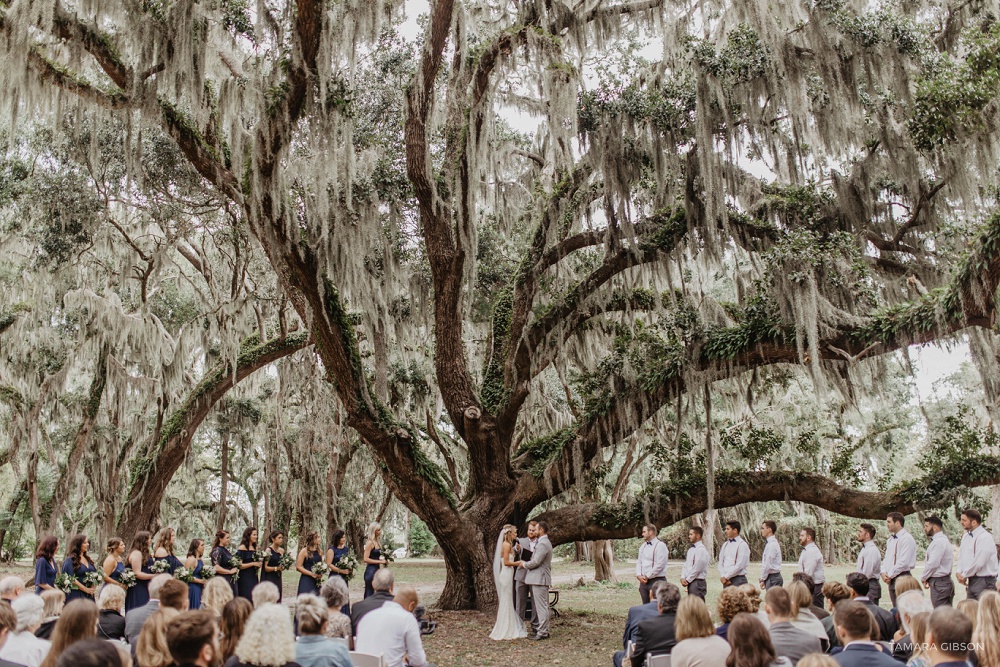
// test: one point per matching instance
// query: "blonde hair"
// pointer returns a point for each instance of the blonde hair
(800, 594)
(906, 583)
(151, 649)
(918, 633)
(54, 600)
(693, 619)
(816, 660)
(267, 640)
(112, 597)
(753, 596)
(265, 593)
(217, 593)
(970, 608)
(311, 612)
(509, 533)
(986, 635)
(372, 527)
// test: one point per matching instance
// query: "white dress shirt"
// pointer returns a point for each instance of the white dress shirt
(869, 560)
(393, 633)
(811, 562)
(939, 557)
(24, 648)
(734, 556)
(652, 561)
(696, 563)
(977, 557)
(770, 562)
(900, 554)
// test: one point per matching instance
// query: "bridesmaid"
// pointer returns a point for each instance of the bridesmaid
(249, 570)
(45, 564)
(78, 564)
(338, 549)
(114, 565)
(195, 564)
(272, 572)
(221, 557)
(308, 556)
(165, 549)
(140, 560)
(373, 556)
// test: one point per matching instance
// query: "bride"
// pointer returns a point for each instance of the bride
(508, 625)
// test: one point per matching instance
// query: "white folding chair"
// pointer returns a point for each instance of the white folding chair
(658, 660)
(366, 660)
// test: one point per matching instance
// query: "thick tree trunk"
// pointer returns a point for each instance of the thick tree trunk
(604, 561)
(469, 580)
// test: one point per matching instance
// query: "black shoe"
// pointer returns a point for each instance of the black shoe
(539, 638)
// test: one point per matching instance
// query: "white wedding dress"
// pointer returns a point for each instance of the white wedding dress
(508, 625)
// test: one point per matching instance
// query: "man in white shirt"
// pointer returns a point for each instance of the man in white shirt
(770, 562)
(734, 557)
(870, 561)
(696, 564)
(977, 557)
(811, 563)
(900, 553)
(651, 566)
(937, 563)
(392, 631)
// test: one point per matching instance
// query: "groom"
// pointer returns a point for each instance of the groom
(539, 577)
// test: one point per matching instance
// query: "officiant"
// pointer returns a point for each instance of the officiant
(523, 550)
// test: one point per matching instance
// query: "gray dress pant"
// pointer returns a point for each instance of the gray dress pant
(540, 603)
(698, 587)
(773, 579)
(979, 585)
(875, 590)
(942, 591)
(892, 586)
(521, 590)
(738, 580)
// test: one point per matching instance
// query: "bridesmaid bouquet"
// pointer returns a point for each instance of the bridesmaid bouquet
(159, 567)
(286, 562)
(321, 569)
(184, 574)
(64, 582)
(260, 556)
(207, 572)
(234, 563)
(349, 563)
(128, 579)
(92, 579)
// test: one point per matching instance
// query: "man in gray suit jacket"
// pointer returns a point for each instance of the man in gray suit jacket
(525, 549)
(789, 641)
(136, 618)
(539, 577)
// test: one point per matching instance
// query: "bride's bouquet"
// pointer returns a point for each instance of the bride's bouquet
(92, 579)
(184, 574)
(159, 567)
(65, 582)
(287, 561)
(321, 569)
(349, 563)
(128, 578)
(207, 572)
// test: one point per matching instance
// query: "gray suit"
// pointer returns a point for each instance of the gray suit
(136, 618)
(791, 642)
(520, 588)
(539, 577)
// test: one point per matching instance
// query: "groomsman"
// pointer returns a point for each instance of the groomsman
(651, 566)
(696, 564)
(977, 557)
(811, 563)
(734, 557)
(770, 573)
(870, 561)
(900, 553)
(937, 563)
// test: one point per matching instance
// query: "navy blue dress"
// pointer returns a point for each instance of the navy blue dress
(173, 561)
(221, 558)
(138, 595)
(195, 590)
(248, 577)
(118, 571)
(370, 571)
(337, 555)
(45, 573)
(273, 577)
(79, 571)
(310, 584)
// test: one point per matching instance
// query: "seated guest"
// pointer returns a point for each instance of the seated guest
(151, 646)
(92, 653)
(655, 636)
(11, 588)
(986, 634)
(804, 619)
(904, 584)
(313, 649)
(818, 612)
(732, 601)
(54, 600)
(635, 614)
(833, 592)
(382, 583)
(854, 629)
(970, 608)
(817, 660)
(22, 646)
(858, 585)
(8, 624)
(268, 640)
(753, 596)
(111, 623)
(908, 603)
(264, 593)
(751, 643)
(192, 639)
(697, 643)
(234, 621)
(949, 637)
(788, 641)
(216, 595)
(918, 634)
(136, 618)
(337, 596)
(174, 594)
(393, 631)
(77, 623)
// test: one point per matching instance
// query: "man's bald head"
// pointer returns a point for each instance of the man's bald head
(406, 597)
